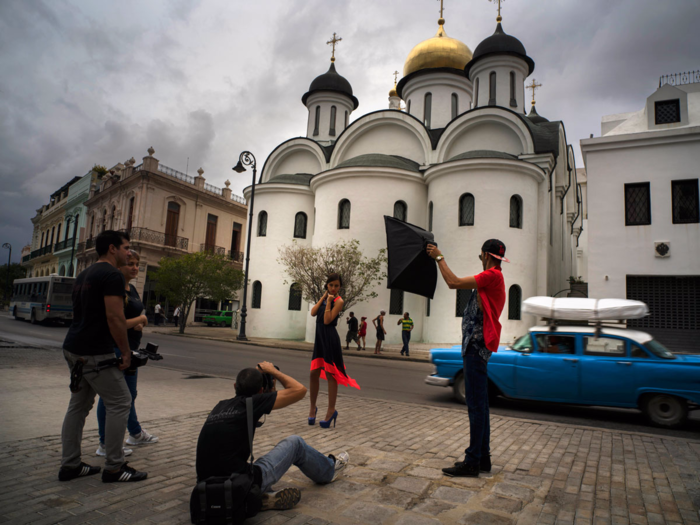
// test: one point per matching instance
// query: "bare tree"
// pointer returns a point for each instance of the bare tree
(307, 267)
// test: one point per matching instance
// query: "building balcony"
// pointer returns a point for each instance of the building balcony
(66, 244)
(235, 256)
(158, 238)
(26, 258)
(218, 250)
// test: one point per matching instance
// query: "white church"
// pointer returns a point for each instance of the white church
(461, 157)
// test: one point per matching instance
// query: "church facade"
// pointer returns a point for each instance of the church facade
(462, 159)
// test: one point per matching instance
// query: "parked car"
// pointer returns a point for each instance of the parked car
(574, 364)
(222, 318)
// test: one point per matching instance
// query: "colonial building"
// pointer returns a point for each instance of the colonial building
(465, 160)
(644, 232)
(48, 232)
(166, 213)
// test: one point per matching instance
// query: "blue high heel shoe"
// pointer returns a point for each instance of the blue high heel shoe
(312, 420)
(327, 424)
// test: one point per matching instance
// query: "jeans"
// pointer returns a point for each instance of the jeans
(110, 385)
(405, 337)
(294, 451)
(476, 390)
(132, 424)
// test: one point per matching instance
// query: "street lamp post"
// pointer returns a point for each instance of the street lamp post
(246, 159)
(9, 258)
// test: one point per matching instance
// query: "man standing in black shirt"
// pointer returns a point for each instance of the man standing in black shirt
(353, 325)
(223, 449)
(98, 326)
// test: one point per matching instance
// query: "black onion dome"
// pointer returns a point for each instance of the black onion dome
(500, 44)
(331, 81)
(535, 117)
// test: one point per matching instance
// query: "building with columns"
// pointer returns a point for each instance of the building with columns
(166, 213)
(465, 160)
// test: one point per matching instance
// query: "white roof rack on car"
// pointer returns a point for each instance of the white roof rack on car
(584, 309)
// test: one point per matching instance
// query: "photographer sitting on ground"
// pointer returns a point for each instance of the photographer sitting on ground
(223, 449)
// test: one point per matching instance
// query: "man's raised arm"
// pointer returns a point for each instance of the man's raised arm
(293, 390)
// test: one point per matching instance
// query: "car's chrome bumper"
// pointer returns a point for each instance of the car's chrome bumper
(437, 381)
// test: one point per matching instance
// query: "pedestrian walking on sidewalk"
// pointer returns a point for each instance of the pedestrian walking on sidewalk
(98, 326)
(327, 361)
(406, 328)
(353, 326)
(176, 315)
(481, 332)
(135, 321)
(157, 312)
(378, 323)
(362, 334)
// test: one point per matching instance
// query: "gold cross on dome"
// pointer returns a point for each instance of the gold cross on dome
(498, 18)
(442, 8)
(533, 87)
(333, 41)
(396, 74)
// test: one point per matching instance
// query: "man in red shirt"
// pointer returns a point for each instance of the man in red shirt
(481, 333)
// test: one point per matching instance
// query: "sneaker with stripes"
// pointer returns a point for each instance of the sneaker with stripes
(143, 438)
(125, 473)
(67, 474)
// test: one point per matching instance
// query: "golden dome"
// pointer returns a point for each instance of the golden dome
(392, 92)
(439, 51)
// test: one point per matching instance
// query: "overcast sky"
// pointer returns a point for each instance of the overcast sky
(87, 82)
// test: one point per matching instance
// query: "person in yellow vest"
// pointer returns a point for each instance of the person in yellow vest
(406, 329)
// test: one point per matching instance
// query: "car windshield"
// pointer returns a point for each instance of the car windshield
(524, 344)
(658, 349)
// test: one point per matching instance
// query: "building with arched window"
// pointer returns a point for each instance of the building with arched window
(454, 147)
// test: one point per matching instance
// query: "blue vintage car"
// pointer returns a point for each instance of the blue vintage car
(573, 364)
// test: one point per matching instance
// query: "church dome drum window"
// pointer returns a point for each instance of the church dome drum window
(466, 210)
(430, 216)
(513, 102)
(492, 88)
(427, 109)
(262, 224)
(344, 215)
(455, 105)
(317, 120)
(331, 131)
(516, 211)
(300, 222)
(401, 211)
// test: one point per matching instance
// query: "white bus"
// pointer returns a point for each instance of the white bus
(40, 298)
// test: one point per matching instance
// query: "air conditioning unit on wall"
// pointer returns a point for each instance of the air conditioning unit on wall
(662, 249)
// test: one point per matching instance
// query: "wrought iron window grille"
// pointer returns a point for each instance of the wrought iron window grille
(667, 111)
(637, 204)
(257, 295)
(686, 209)
(295, 297)
(396, 302)
(515, 298)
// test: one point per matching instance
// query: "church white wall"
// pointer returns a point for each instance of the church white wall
(486, 180)
(617, 250)
(502, 65)
(372, 193)
(386, 137)
(298, 161)
(281, 202)
(486, 135)
(441, 86)
(325, 100)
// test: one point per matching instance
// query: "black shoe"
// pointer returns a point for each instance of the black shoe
(462, 471)
(125, 473)
(484, 464)
(284, 499)
(67, 474)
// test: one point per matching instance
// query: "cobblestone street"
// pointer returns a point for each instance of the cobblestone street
(543, 473)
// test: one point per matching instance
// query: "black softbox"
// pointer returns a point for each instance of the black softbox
(411, 269)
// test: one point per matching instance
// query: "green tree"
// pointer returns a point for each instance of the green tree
(17, 271)
(183, 279)
(99, 169)
(308, 266)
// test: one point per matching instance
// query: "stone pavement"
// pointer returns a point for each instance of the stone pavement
(419, 351)
(543, 473)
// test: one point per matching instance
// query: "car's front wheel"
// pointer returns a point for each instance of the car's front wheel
(664, 410)
(222, 324)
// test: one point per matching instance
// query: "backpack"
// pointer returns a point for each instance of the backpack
(221, 500)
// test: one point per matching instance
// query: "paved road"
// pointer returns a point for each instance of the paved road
(386, 379)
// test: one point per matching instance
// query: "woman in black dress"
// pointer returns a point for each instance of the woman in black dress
(327, 360)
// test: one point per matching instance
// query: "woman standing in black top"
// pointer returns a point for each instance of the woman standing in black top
(327, 361)
(135, 321)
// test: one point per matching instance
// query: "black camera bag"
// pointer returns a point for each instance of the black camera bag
(221, 500)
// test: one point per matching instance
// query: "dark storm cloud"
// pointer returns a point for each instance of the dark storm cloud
(92, 82)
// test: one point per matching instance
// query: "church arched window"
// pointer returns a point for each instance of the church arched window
(257, 295)
(466, 210)
(430, 216)
(262, 224)
(408, 107)
(346, 120)
(427, 108)
(476, 93)
(515, 297)
(294, 297)
(400, 211)
(344, 214)
(513, 102)
(516, 211)
(300, 225)
(455, 105)
(492, 88)
(331, 132)
(317, 120)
